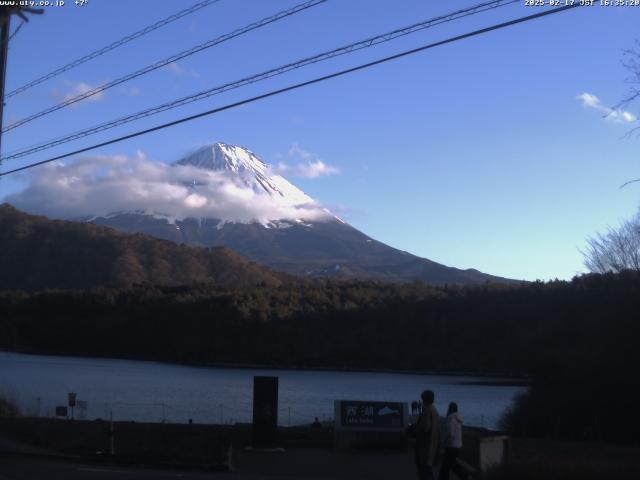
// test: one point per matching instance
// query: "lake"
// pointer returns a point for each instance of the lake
(151, 391)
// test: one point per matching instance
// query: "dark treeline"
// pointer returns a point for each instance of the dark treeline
(578, 339)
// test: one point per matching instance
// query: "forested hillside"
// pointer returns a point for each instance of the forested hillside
(511, 329)
(37, 253)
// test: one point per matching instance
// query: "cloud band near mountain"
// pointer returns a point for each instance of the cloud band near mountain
(102, 185)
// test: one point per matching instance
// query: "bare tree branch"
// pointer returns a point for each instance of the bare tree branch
(616, 250)
(630, 181)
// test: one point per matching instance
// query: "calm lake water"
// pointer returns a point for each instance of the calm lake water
(150, 391)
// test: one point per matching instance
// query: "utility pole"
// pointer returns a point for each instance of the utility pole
(4, 48)
(5, 24)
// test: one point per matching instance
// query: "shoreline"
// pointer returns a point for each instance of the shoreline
(511, 379)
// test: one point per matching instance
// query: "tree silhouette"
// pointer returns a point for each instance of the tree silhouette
(616, 250)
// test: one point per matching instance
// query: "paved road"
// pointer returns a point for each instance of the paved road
(23, 462)
(29, 468)
(292, 465)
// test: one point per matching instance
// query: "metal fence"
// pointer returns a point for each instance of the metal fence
(160, 412)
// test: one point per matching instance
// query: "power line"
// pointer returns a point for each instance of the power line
(15, 32)
(369, 42)
(111, 46)
(174, 58)
(299, 85)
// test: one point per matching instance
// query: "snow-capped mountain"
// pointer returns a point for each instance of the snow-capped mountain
(249, 169)
(322, 246)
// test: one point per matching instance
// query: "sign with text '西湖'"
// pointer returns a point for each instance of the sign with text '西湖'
(365, 415)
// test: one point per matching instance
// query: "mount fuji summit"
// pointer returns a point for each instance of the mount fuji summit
(309, 241)
(249, 170)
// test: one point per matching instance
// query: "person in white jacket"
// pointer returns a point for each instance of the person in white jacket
(452, 434)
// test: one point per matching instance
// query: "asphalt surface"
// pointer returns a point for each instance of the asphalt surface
(23, 462)
(290, 465)
(30, 468)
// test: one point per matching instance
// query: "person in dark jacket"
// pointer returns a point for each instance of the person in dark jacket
(426, 431)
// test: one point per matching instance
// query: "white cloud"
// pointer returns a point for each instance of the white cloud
(297, 151)
(621, 116)
(589, 100)
(616, 115)
(176, 68)
(310, 167)
(79, 88)
(130, 91)
(308, 170)
(102, 185)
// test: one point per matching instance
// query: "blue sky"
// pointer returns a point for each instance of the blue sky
(475, 154)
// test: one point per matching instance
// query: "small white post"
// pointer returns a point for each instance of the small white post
(111, 443)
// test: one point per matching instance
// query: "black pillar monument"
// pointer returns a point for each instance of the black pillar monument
(265, 412)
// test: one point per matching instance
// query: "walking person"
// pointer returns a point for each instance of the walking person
(426, 431)
(452, 433)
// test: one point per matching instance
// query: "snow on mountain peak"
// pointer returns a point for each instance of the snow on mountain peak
(249, 169)
(221, 156)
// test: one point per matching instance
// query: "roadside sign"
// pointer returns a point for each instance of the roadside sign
(61, 411)
(368, 424)
(365, 415)
(72, 399)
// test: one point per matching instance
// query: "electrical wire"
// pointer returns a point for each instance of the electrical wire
(369, 42)
(162, 63)
(111, 46)
(300, 85)
(15, 32)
